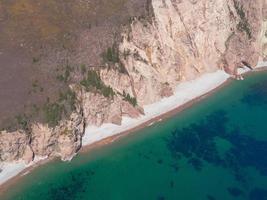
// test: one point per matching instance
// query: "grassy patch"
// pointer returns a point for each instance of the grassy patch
(131, 100)
(111, 55)
(83, 69)
(35, 60)
(65, 76)
(68, 98)
(93, 82)
(22, 122)
(52, 113)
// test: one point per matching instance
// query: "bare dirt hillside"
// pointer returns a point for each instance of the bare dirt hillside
(43, 45)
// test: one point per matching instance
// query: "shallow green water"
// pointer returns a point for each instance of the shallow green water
(216, 150)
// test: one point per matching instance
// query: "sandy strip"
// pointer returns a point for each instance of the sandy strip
(8, 170)
(114, 135)
(184, 92)
(184, 96)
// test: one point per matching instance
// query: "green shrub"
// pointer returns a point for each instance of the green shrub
(68, 98)
(131, 100)
(66, 74)
(60, 78)
(52, 113)
(35, 60)
(22, 122)
(111, 55)
(83, 68)
(243, 25)
(94, 82)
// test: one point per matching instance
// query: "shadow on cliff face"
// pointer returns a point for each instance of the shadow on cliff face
(198, 143)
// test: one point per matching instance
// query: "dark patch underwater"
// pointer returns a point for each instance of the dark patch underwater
(216, 150)
(196, 143)
(257, 94)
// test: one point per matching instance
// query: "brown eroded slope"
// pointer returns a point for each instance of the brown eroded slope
(39, 40)
(68, 64)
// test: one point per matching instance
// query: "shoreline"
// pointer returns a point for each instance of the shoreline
(165, 115)
(183, 93)
(152, 121)
(100, 136)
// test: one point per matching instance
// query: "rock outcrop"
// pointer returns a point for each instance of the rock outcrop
(176, 41)
(64, 140)
(15, 146)
(188, 38)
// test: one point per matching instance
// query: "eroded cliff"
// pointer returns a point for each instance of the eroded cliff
(173, 41)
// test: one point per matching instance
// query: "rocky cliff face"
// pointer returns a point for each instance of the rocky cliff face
(63, 140)
(175, 41)
(187, 38)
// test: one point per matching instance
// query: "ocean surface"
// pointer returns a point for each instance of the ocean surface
(215, 150)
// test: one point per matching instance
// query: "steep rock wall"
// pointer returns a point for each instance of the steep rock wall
(63, 140)
(178, 41)
(188, 38)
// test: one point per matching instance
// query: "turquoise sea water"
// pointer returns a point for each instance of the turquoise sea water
(215, 150)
